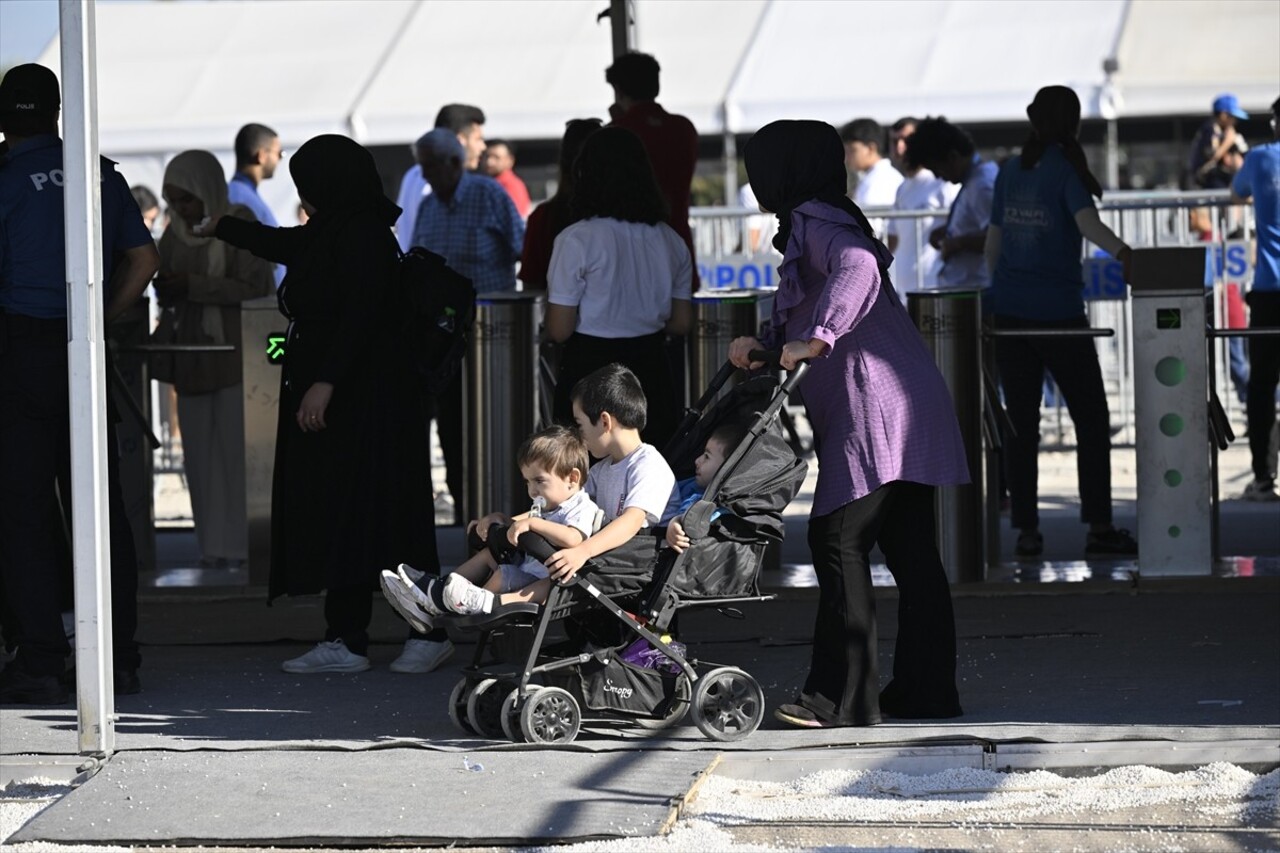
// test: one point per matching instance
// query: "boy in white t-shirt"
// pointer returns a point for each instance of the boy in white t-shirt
(632, 482)
(552, 463)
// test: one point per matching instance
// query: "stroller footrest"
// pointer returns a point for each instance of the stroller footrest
(499, 614)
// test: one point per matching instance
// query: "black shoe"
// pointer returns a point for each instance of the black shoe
(1030, 544)
(126, 681)
(18, 687)
(892, 704)
(1116, 541)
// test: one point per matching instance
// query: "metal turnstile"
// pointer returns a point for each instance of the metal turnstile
(950, 321)
(719, 316)
(262, 350)
(500, 399)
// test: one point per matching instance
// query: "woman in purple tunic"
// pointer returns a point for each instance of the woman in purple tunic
(885, 432)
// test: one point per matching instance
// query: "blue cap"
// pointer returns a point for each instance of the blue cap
(1229, 104)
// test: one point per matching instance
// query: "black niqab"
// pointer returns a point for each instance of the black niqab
(791, 162)
(337, 176)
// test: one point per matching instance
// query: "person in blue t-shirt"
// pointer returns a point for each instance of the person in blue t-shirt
(1042, 208)
(1259, 179)
(35, 441)
(258, 155)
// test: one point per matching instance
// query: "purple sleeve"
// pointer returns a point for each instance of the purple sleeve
(851, 288)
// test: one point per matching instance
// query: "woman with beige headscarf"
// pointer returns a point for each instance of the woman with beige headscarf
(202, 282)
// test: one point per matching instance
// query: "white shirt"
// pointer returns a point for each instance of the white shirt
(413, 189)
(621, 276)
(578, 512)
(911, 270)
(641, 479)
(878, 187)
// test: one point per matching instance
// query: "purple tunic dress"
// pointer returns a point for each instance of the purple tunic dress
(879, 408)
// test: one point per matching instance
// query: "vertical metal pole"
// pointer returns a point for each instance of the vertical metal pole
(621, 24)
(95, 695)
(1113, 154)
(730, 165)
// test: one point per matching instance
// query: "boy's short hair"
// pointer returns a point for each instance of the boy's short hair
(616, 390)
(935, 139)
(557, 449)
(635, 75)
(729, 434)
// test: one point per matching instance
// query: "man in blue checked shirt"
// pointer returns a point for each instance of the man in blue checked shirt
(471, 221)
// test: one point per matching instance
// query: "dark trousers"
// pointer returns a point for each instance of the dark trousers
(447, 411)
(1264, 373)
(844, 684)
(1073, 364)
(35, 453)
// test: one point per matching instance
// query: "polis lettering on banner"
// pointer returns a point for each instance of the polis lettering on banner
(739, 272)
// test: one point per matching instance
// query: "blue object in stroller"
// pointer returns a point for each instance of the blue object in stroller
(618, 664)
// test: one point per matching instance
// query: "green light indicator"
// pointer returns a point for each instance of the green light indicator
(1171, 425)
(1173, 477)
(1175, 531)
(1171, 371)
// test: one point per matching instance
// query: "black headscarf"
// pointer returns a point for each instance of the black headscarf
(791, 162)
(337, 176)
(1055, 120)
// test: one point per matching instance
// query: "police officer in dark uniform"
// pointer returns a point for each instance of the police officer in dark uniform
(35, 445)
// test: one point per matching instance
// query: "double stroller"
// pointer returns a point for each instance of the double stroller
(600, 650)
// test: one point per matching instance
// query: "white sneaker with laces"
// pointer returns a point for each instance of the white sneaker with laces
(465, 598)
(400, 596)
(422, 656)
(332, 656)
(420, 592)
(1262, 491)
(409, 573)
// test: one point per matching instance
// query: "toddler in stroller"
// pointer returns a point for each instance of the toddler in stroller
(525, 687)
(553, 463)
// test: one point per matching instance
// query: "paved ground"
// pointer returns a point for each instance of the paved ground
(1108, 672)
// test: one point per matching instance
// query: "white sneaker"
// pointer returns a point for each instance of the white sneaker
(409, 573)
(422, 656)
(400, 596)
(333, 656)
(465, 598)
(1263, 491)
(419, 590)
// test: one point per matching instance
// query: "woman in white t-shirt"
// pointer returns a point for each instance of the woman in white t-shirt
(620, 278)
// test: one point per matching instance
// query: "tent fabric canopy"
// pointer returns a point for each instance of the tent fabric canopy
(380, 71)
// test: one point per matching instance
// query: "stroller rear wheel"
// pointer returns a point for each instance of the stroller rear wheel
(512, 705)
(458, 706)
(728, 704)
(674, 712)
(551, 715)
(484, 706)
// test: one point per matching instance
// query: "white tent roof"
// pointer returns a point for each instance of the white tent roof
(188, 74)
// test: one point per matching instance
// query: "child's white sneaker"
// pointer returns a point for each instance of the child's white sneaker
(400, 596)
(420, 589)
(465, 598)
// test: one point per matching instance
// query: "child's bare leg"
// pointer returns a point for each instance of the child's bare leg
(480, 568)
(534, 593)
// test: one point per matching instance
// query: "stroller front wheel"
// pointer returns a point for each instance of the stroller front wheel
(458, 706)
(728, 704)
(551, 715)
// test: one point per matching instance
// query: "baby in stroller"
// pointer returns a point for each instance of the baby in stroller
(690, 490)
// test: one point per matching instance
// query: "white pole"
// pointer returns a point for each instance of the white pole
(95, 695)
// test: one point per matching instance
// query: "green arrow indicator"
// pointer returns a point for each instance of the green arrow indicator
(275, 347)
(1168, 318)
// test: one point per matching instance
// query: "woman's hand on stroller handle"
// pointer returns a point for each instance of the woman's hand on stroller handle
(746, 352)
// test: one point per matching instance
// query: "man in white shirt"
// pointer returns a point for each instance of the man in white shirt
(915, 262)
(878, 181)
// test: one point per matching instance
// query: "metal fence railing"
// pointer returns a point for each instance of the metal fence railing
(733, 250)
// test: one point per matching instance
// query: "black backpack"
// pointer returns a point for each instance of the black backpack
(434, 309)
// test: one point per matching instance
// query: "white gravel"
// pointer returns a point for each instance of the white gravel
(963, 796)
